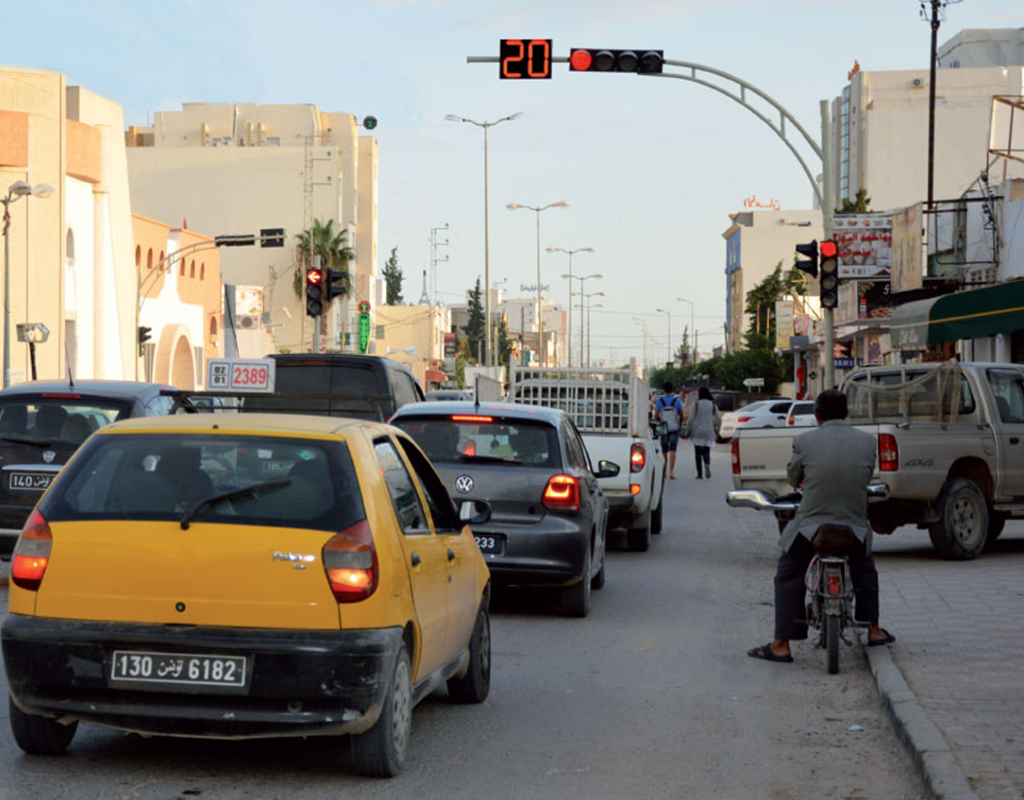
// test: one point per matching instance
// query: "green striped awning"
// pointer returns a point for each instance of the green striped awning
(963, 315)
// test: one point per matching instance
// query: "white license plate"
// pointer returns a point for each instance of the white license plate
(32, 481)
(178, 669)
(490, 543)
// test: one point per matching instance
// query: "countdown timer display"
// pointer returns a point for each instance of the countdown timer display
(524, 58)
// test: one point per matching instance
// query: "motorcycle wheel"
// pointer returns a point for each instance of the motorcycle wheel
(832, 643)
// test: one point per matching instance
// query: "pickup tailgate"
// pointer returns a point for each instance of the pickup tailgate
(760, 457)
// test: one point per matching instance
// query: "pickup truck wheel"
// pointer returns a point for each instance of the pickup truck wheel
(639, 537)
(962, 530)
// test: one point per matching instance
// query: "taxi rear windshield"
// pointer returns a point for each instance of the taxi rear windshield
(477, 439)
(234, 480)
(50, 421)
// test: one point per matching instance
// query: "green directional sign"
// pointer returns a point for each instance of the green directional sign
(364, 326)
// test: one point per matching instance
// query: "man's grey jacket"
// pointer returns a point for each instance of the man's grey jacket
(834, 463)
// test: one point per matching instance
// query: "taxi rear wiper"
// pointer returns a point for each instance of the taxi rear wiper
(18, 440)
(254, 491)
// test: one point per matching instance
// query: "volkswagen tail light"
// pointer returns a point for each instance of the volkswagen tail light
(888, 453)
(32, 553)
(350, 561)
(562, 493)
(637, 457)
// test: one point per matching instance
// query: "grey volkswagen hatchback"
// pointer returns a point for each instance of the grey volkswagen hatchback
(541, 516)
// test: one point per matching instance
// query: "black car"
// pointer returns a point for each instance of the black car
(42, 424)
(544, 515)
(338, 385)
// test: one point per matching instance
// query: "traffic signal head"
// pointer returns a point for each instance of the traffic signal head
(828, 263)
(335, 284)
(809, 264)
(594, 59)
(145, 334)
(314, 292)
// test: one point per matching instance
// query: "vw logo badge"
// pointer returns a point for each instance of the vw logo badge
(48, 456)
(464, 484)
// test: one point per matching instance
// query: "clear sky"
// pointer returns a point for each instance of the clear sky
(652, 167)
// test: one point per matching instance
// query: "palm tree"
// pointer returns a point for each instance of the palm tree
(331, 246)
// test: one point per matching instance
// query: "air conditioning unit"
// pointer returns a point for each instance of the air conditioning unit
(248, 322)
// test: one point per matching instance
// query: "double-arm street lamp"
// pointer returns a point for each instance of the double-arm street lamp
(15, 191)
(585, 315)
(693, 331)
(487, 233)
(570, 276)
(582, 279)
(540, 323)
(671, 359)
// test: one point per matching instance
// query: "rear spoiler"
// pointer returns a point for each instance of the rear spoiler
(184, 402)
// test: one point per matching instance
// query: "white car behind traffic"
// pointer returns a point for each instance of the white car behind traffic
(760, 414)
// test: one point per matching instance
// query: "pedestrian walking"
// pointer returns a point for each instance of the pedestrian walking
(669, 409)
(702, 428)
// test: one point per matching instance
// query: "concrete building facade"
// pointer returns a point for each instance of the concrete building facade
(413, 335)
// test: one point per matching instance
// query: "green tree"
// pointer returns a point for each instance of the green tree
(332, 247)
(504, 345)
(462, 360)
(761, 304)
(474, 328)
(393, 278)
(683, 355)
(861, 204)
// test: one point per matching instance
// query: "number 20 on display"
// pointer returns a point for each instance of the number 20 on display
(525, 58)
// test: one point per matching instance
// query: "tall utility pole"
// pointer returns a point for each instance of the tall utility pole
(936, 7)
(569, 275)
(435, 259)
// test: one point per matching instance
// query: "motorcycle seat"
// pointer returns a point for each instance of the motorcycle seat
(834, 540)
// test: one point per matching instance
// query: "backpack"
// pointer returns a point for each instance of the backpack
(669, 414)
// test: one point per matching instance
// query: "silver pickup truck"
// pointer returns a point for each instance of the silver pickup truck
(950, 449)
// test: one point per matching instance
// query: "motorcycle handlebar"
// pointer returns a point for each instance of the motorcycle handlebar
(766, 501)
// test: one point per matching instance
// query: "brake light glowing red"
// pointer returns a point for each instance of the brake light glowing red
(32, 553)
(562, 493)
(350, 562)
(637, 457)
(471, 418)
(888, 453)
(635, 488)
(735, 456)
(835, 584)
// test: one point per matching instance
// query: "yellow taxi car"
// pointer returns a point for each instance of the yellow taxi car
(244, 575)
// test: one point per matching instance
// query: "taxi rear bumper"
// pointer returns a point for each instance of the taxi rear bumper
(298, 683)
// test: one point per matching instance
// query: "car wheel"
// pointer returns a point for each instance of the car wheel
(639, 537)
(380, 751)
(576, 598)
(597, 582)
(962, 529)
(475, 685)
(40, 736)
(656, 515)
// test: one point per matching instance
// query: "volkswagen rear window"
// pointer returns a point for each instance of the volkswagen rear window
(277, 482)
(481, 438)
(52, 421)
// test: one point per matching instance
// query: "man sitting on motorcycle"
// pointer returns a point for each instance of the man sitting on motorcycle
(833, 463)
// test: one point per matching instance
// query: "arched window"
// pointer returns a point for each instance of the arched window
(213, 327)
(149, 259)
(163, 266)
(181, 272)
(192, 270)
(202, 271)
(138, 255)
(69, 247)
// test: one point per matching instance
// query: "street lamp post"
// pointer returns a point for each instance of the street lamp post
(570, 276)
(582, 279)
(585, 315)
(589, 326)
(671, 359)
(693, 330)
(487, 230)
(540, 323)
(16, 190)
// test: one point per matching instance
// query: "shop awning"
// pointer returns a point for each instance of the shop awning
(964, 315)
(436, 376)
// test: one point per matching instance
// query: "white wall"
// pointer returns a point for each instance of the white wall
(80, 278)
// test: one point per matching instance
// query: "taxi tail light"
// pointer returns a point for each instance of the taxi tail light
(350, 561)
(888, 453)
(735, 456)
(637, 457)
(32, 553)
(562, 493)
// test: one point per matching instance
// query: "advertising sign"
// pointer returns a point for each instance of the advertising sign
(907, 250)
(865, 245)
(240, 374)
(783, 323)
(450, 345)
(364, 326)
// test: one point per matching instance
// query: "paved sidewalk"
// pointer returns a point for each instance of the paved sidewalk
(954, 680)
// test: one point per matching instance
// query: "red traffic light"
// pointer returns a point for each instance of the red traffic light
(828, 249)
(314, 276)
(580, 60)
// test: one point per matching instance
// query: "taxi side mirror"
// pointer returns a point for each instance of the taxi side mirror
(475, 512)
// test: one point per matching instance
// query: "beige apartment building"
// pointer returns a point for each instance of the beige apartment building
(413, 335)
(71, 266)
(237, 168)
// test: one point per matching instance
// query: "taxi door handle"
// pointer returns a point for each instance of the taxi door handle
(451, 554)
(415, 559)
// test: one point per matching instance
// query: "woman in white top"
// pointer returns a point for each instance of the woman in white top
(703, 426)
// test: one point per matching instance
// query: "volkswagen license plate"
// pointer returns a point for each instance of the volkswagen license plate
(177, 669)
(490, 544)
(32, 481)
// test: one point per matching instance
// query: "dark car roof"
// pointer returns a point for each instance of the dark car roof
(444, 408)
(354, 359)
(119, 389)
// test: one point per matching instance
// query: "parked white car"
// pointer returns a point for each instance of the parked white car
(760, 414)
(801, 415)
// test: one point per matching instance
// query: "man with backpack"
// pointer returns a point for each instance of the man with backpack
(669, 409)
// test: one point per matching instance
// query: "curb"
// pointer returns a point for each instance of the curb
(935, 762)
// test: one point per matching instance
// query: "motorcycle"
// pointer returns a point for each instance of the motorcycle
(830, 608)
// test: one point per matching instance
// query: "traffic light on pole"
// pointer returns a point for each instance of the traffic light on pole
(828, 264)
(145, 334)
(334, 284)
(810, 262)
(597, 59)
(314, 292)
